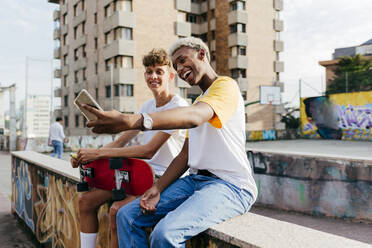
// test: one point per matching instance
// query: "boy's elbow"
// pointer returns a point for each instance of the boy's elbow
(149, 154)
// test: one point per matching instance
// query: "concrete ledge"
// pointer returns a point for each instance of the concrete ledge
(44, 196)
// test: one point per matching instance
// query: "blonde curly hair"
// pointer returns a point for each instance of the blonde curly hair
(192, 42)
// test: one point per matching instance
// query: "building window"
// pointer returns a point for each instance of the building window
(65, 59)
(204, 37)
(213, 55)
(213, 34)
(84, 52)
(238, 50)
(65, 80)
(238, 73)
(212, 13)
(237, 28)
(85, 74)
(66, 100)
(127, 5)
(96, 94)
(203, 17)
(76, 77)
(83, 27)
(191, 18)
(108, 91)
(76, 120)
(95, 18)
(65, 39)
(82, 4)
(108, 10)
(96, 68)
(123, 90)
(66, 120)
(237, 5)
(76, 57)
(64, 19)
(95, 43)
(107, 64)
(75, 32)
(125, 61)
(126, 33)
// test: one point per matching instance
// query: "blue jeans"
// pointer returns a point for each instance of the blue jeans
(186, 208)
(57, 148)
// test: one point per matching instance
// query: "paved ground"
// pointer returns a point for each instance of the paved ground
(356, 150)
(13, 235)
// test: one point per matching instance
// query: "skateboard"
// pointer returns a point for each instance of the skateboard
(121, 175)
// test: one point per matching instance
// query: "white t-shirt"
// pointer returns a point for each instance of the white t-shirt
(171, 148)
(56, 132)
(219, 145)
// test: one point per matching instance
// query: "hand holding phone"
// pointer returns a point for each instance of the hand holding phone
(85, 98)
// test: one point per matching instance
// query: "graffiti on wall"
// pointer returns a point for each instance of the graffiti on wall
(49, 206)
(22, 192)
(338, 116)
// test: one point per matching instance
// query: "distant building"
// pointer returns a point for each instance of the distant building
(364, 49)
(38, 116)
(94, 36)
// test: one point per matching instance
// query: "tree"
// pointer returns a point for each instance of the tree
(353, 73)
(289, 118)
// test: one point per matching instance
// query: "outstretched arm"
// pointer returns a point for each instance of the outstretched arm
(177, 118)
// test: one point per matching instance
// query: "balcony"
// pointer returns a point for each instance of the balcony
(238, 62)
(212, 24)
(79, 64)
(121, 103)
(243, 83)
(106, 2)
(65, 69)
(58, 111)
(183, 28)
(56, 15)
(212, 45)
(238, 39)
(57, 53)
(278, 46)
(57, 33)
(278, 66)
(119, 47)
(57, 73)
(199, 28)
(278, 5)
(183, 5)
(237, 16)
(65, 90)
(79, 18)
(119, 19)
(80, 40)
(79, 86)
(64, 29)
(65, 49)
(121, 75)
(278, 25)
(195, 8)
(64, 8)
(57, 92)
(212, 4)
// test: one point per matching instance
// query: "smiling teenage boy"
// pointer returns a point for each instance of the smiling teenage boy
(220, 185)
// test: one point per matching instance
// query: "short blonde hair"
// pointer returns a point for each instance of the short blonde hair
(156, 56)
(191, 42)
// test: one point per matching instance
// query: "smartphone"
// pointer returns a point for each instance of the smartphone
(85, 98)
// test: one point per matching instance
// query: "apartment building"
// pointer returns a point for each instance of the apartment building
(38, 116)
(101, 44)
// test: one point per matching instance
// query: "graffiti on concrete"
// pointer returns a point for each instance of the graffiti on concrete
(257, 162)
(22, 192)
(339, 116)
(261, 135)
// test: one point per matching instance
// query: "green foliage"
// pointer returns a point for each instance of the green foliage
(352, 74)
(291, 122)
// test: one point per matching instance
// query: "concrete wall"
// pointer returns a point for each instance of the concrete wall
(351, 114)
(316, 186)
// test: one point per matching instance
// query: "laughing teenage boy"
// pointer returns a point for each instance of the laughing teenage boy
(220, 185)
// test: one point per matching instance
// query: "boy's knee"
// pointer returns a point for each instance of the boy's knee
(85, 203)
(159, 236)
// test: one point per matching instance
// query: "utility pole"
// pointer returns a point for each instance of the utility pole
(24, 126)
(12, 113)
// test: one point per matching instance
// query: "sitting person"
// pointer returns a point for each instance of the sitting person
(220, 185)
(158, 148)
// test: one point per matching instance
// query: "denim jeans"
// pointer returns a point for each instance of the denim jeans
(57, 148)
(186, 208)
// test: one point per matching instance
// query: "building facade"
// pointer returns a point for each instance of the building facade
(38, 116)
(101, 44)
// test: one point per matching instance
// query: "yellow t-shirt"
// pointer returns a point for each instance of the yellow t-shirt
(219, 144)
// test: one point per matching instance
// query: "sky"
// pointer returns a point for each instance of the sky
(312, 30)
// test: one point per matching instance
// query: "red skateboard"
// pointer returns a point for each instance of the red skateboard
(121, 175)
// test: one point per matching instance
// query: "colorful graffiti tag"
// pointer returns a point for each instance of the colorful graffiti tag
(339, 116)
(48, 204)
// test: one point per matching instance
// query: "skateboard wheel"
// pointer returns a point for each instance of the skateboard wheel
(83, 186)
(118, 194)
(115, 163)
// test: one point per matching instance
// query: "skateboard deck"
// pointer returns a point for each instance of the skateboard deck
(134, 176)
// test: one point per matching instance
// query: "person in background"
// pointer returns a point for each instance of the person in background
(56, 137)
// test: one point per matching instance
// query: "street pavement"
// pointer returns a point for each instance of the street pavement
(12, 233)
